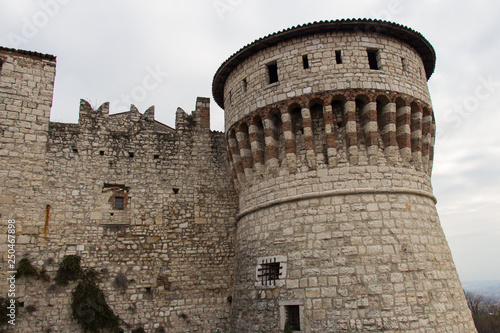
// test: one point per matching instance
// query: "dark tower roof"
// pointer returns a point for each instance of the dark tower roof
(403, 33)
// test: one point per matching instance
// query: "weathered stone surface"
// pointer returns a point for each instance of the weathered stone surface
(323, 211)
(349, 200)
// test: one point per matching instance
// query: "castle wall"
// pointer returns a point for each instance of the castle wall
(369, 255)
(151, 208)
(26, 85)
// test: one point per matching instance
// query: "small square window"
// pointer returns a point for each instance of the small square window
(131, 155)
(101, 152)
(269, 273)
(119, 202)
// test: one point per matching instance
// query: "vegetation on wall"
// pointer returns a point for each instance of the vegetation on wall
(25, 268)
(120, 282)
(69, 270)
(89, 306)
(289, 328)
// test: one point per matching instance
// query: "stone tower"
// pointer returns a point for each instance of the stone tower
(330, 131)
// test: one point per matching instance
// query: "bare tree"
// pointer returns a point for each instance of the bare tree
(474, 301)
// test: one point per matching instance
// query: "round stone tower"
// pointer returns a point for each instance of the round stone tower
(330, 133)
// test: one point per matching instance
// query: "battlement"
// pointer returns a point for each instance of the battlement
(92, 120)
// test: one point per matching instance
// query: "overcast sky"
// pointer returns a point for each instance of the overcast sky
(165, 53)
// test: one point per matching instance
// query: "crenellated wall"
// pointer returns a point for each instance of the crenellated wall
(141, 202)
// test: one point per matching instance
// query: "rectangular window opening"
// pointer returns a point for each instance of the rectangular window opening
(101, 152)
(372, 58)
(272, 70)
(292, 320)
(131, 155)
(338, 56)
(305, 61)
(156, 157)
(245, 85)
(119, 202)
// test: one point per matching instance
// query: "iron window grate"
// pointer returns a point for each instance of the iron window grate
(119, 202)
(269, 272)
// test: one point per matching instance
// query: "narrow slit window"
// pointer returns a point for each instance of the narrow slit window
(372, 59)
(338, 56)
(305, 61)
(404, 64)
(272, 70)
(292, 320)
(244, 85)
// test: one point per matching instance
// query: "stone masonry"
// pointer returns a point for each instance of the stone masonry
(313, 212)
(331, 131)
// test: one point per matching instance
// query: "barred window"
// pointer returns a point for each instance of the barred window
(271, 272)
(119, 202)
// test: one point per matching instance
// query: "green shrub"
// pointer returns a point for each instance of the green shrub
(487, 324)
(289, 328)
(69, 270)
(89, 307)
(25, 268)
